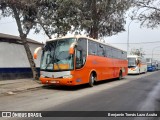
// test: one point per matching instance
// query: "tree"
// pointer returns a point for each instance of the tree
(57, 17)
(23, 11)
(103, 17)
(138, 52)
(97, 17)
(147, 12)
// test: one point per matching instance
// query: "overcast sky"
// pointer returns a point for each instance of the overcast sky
(141, 36)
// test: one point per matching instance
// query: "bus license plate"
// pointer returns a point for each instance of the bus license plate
(54, 81)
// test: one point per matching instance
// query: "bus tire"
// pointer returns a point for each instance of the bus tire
(120, 75)
(92, 79)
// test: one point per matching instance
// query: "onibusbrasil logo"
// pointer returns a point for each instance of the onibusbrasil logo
(21, 114)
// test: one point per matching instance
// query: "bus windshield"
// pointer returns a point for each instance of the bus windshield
(56, 57)
(131, 62)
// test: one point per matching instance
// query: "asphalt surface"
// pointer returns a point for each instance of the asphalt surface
(137, 95)
(133, 93)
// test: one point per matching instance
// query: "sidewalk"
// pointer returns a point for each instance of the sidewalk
(13, 86)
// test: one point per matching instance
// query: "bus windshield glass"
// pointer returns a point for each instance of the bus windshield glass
(56, 57)
(131, 62)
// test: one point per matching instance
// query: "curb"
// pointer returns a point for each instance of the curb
(18, 90)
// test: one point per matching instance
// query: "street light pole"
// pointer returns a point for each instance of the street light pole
(128, 37)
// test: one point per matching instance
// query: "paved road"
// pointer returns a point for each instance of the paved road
(133, 93)
(141, 94)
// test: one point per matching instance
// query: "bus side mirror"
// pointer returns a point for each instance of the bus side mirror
(36, 51)
(71, 50)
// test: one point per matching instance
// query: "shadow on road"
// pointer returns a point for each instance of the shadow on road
(65, 88)
(79, 87)
(135, 74)
(108, 81)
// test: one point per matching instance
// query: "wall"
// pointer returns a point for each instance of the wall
(14, 62)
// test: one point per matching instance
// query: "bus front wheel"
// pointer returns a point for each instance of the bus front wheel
(92, 79)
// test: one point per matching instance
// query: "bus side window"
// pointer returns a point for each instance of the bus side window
(101, 50)
(108, 52)
(92, 48)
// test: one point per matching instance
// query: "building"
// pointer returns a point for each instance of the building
(14, 63)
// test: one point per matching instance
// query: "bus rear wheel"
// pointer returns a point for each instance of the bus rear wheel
(92, 79)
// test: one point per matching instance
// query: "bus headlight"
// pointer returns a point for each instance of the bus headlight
(134, 69)
(67, 76)
(42, 76)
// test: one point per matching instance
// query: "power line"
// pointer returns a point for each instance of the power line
(138, 43)
(151, 54)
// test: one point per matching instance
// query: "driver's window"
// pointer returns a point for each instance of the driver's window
(79, 59)
(81, 52)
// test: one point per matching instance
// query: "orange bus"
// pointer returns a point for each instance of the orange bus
(79, 60)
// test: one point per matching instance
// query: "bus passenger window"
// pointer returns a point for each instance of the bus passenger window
(93, 48)
(101, 50)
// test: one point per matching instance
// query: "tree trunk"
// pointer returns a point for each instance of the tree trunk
(30, 57)
(94, 28)
(24, 41)
(94, 32)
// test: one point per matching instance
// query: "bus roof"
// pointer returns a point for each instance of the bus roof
(82, 36)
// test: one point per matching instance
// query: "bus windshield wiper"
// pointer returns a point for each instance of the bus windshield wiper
(53, 59)
(49, 63)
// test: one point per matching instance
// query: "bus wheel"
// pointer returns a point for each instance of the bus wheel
(92, 80)
(120, 75)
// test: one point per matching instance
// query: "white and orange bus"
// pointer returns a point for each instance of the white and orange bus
(78, 60)
(136, 64)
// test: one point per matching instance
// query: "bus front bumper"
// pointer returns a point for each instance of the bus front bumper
(57, 81)
(133, 71)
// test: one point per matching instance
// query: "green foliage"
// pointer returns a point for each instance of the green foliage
(138, 52)
(147, 12)
(97, 17)
(102, 17)
(25, 10)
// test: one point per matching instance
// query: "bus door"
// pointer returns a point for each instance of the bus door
(80, 60)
